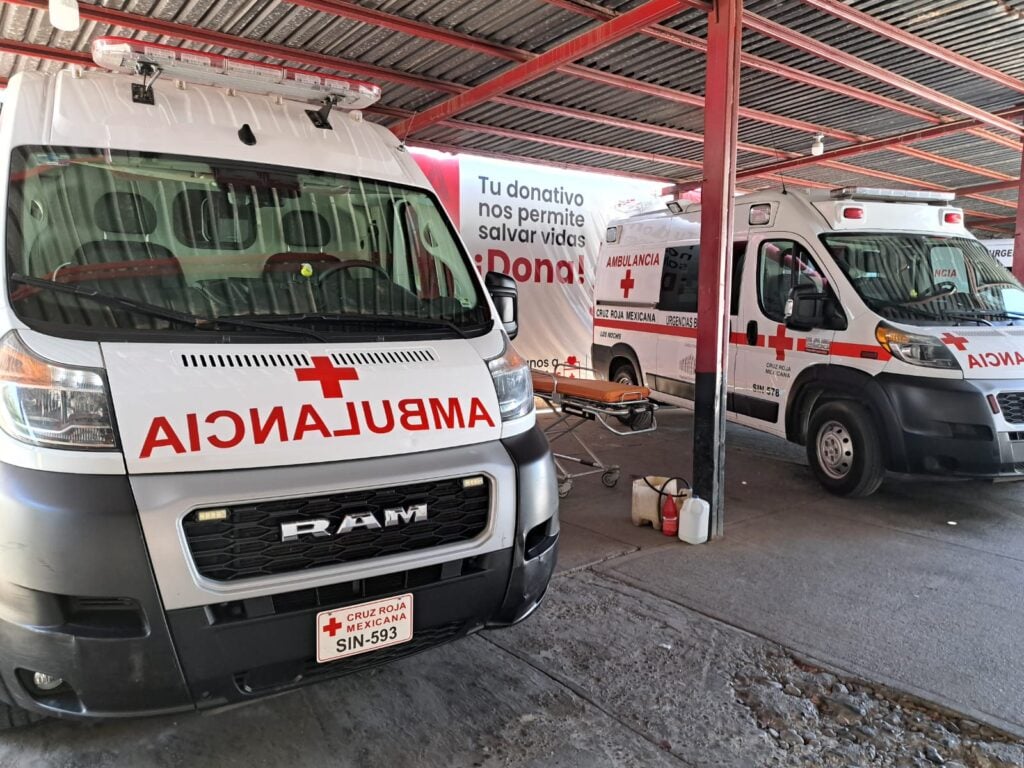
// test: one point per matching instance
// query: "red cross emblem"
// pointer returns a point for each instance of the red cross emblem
(327, 374)
(332, 627)
(627, 283)
(952, 340)
(780, 342)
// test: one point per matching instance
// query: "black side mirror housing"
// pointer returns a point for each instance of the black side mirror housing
(805, 309)
(505, 295)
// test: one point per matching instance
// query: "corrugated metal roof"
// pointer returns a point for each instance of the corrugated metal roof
(637, 79)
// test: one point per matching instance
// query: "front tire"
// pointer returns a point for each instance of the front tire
(844, 449)
(625, 373)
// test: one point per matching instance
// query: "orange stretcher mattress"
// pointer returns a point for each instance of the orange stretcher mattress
(586, 389)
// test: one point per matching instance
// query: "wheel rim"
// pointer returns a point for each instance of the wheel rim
(625, 378)
(835, 450)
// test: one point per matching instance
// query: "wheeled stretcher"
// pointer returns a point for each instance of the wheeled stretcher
(624, 409)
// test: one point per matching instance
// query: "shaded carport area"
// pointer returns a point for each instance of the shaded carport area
(803, 635)
(818, 631)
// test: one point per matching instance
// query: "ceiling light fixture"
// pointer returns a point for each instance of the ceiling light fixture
(64, 15)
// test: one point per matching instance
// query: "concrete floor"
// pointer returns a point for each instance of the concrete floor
(634, 658)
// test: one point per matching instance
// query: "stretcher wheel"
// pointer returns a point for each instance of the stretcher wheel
(610, 478)
(564, 486)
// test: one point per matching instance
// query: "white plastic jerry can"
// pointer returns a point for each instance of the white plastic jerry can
(693, 521)
(647, 497)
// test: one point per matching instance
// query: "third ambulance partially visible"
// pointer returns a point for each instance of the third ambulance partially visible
(867, 324)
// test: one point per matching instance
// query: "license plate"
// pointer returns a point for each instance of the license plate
(362, 628)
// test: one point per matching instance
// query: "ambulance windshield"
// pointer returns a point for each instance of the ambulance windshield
(927, 278)
(207, 239)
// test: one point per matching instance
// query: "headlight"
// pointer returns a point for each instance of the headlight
(51, 405)
(915, 348)
(513, 384)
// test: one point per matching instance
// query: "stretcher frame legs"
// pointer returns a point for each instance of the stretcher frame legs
(563, 426)
(635, 417)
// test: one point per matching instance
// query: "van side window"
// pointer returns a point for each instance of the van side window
(679, 279)
(781, 266)
(739, 251)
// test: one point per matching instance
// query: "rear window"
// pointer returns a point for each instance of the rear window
(214, 219)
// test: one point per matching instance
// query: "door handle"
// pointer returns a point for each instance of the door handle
(752, 333)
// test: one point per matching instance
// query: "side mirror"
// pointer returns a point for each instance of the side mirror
(505, 295)
(805, 309)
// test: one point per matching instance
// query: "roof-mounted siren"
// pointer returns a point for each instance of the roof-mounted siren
(930, 197)
(150, 60)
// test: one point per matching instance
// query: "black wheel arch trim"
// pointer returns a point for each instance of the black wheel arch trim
(840, 381)
(621, 350)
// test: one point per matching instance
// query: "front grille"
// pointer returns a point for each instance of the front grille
(1012, 406)
(248, 542)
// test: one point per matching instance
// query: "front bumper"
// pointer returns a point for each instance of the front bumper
(947, 427)
(78, 600)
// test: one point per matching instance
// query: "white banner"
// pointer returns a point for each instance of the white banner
(543, 226)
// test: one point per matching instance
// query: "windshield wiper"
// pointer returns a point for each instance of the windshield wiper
(342, 317)
(939, 315)
(908, 307)
(994, 314)
(154, 310)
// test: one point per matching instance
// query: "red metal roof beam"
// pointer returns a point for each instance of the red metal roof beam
(247, 45)
(1018, 230)
(46, 52)
(593, 39)
(691, 42)
(440, 147)
(349, 10)
(873, 145)
(155, 26)
(879, 27)
(414, 28)
(992, 186)
(815, 48)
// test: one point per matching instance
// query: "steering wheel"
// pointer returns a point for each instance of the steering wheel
(379, 271)
(945, 288)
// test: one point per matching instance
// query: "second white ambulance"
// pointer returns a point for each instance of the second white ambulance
(867, 324)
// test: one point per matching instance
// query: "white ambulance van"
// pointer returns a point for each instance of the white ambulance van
(868, 325)
(261, 423)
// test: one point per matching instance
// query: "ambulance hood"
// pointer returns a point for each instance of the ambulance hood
(984, 352)
(200, 407)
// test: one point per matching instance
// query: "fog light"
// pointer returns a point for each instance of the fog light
(45, 682)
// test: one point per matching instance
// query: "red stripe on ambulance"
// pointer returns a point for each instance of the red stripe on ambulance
(838, 348)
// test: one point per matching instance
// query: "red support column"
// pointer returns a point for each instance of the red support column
(721, 113)
(1018, 230)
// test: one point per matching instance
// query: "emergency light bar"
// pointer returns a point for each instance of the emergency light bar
(891, 195)
(123, 55)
